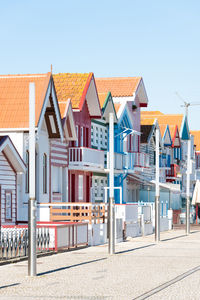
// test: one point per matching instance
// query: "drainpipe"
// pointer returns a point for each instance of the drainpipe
(32, 201)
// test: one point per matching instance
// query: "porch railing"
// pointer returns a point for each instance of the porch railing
(130, 160)
(14, 242)
(173, 172)
(78, 212)
(86, 156)
(138, 159)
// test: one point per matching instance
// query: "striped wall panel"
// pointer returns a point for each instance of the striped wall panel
(59, 153)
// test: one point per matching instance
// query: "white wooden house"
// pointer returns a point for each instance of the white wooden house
(14, 121)
(129, 95)
(11, 166)
(99, 141)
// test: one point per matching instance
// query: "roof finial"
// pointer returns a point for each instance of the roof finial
(51, 68)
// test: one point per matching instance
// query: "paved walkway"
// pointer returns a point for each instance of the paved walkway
(141, 269)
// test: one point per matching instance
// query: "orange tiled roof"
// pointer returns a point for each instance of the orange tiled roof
(117, 106)
(14, 98)
(148, 121)
(70, 86)
(168, 119)
(172, 129)
(162, 129)
(102, 98)
(196, 134)
(153, 112)
(118, 86)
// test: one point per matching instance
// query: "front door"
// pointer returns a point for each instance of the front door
(73, 190)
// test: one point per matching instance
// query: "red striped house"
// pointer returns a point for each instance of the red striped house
(80, 89)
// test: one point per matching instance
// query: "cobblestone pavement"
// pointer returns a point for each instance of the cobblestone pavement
(140, 269)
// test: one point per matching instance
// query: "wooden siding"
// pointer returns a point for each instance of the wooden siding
(59, 153)
(149, 148)
(8, 179)
(58, 158)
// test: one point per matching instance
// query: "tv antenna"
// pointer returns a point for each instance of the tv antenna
(186, 104)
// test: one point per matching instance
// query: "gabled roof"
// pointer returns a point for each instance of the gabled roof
(164, 119)
(176, 142)
(166, 136)
(14, 99)
(196, 134)
(145, 133)
(163, 128)
(68, 123)
(107, 106)
(11, 153)
(184, 131)
(117, 106)
(77, 87)
(118, 86)
(147, 129)
(123, 87)
(102, 98)
(170, 119)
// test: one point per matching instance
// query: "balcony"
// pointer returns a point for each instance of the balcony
(91, 159)
(130, 160)
(137, 160)
(173, 173)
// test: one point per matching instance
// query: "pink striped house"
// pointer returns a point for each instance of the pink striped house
(59, 160)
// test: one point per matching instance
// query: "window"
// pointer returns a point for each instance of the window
(44, 173)
(27, 172)
(80, 187)
(76, 143)
(81, 137)
(8, 205)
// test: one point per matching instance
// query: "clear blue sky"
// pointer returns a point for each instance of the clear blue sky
(156, 39)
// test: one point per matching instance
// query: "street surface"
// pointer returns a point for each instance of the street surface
(140, 269)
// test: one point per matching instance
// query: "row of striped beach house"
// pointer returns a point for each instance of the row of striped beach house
(72, 141)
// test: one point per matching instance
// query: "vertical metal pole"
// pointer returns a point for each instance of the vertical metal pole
(188, 189)
(111, 181)
(32, 201)
(170, 200)
(157, 194)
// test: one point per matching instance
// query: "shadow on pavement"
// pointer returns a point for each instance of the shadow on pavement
(8, 285)
(72, 266)
(173, 238)
(177, 237)
(134, 249)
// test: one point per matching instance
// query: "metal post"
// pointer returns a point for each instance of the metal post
(32, 201)
(187, 229)
(111, 175)
(170, 199)
(157, 194)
